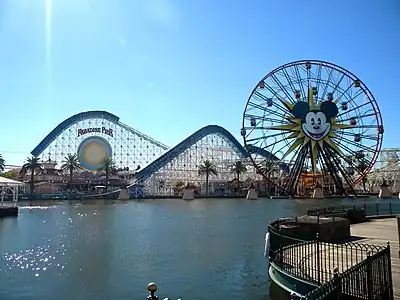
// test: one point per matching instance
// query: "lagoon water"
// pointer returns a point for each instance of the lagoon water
(106, 249)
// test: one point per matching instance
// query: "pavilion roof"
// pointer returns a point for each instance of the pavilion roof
(9, 182)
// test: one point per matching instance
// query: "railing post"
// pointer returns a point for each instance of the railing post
(389, 270)
(280, 248)
(318, 260)
(365, 208)
(338, 282)
(369, 277)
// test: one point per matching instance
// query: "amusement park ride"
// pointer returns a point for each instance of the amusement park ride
(320, 120)
(306, 124)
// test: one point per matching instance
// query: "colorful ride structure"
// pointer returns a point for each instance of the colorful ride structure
(321, 121)
(148, 167)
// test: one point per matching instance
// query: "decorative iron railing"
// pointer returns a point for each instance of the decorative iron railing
(369, 279)
(342, 270)
(312, 259)
(371, 209)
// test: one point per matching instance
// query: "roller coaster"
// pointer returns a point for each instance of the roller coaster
(159, 168)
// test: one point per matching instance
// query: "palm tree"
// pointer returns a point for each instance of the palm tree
(207, 169)
(72, 164)
(268, 168)
(32, 164)
(2, 163)
(238, 168)
(107, 166)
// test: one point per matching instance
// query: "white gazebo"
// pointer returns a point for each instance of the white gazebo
(10, 185)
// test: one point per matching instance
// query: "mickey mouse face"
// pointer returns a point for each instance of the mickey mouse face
(315, 123)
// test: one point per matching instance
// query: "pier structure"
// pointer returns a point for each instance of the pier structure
(346, 252)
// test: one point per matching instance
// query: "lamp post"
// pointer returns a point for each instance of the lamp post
(152, 288)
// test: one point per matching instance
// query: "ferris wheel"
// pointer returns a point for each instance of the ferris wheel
(317, 119)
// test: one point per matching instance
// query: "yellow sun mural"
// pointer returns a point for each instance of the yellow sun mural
(311, 122)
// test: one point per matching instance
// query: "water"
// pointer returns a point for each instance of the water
(105, 249)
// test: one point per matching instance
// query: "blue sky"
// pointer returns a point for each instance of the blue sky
(169, 67)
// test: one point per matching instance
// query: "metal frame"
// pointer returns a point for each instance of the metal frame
(160, 169)
(333, 161)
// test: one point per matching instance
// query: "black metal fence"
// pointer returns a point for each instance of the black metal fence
(369, 279)
(345, 270)
(371, 209)
(312, 259)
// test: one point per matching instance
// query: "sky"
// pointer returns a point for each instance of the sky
(169, 67)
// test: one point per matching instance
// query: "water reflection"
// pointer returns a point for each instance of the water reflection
(107, 249)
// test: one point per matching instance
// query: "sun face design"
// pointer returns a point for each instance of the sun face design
(312, 123)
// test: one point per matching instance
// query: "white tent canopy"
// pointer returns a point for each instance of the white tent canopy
(10, 185)
(10, 182)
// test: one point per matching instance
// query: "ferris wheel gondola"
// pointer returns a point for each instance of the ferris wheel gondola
(318, 119)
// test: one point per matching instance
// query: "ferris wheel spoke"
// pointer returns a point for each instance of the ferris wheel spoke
(264, 109)
(299, 80)
(276, 103)
(337, 84)
(269, 136)
(272, 145)
(331, 170)
(279, 83)
(351, 161)
(289, 80)
(352, 98)
(294, 175)
(318, 77)
(350, 142)
(362, 136)
(372, 126)
(353, 109)
(357, 117)
(342, 171)
(276, 95)
(350, 152)
(338, 149)
(330, 71)
(263, 118)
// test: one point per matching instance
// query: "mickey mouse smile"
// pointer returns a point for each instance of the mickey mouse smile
(315, 122)
(316, 125)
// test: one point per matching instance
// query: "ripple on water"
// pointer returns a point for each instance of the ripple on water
(35, 260)
(37, 207)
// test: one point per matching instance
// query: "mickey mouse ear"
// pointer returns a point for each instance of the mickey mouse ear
(329, 109)
(300, 109)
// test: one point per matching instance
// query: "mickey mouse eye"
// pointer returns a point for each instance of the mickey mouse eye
(312, 121)
(319, 121)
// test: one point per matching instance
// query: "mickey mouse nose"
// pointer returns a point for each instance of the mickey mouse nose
(316, 127)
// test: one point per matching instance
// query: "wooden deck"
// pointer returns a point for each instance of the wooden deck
(379, 232)
(303, 259)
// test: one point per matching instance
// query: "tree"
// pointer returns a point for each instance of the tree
(2, 163)
(107, 166)
(362, 163)
(207, 169)
(238, 168)
(12, 174)
(179, 185)
(72, 164)
(268, 168)
(32, 164)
